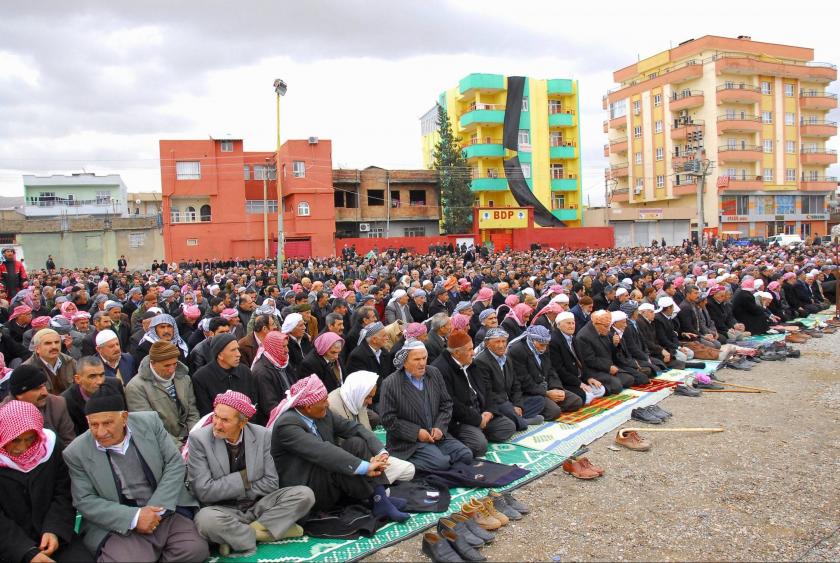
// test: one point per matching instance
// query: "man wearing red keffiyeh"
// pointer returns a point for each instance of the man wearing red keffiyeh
(232, 474)
(35, 489)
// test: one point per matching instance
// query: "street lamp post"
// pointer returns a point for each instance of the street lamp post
(280, 90)
(265, 209)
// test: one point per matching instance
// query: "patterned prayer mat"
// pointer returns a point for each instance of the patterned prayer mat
(596, 407)
(655, 385)
(315, 549)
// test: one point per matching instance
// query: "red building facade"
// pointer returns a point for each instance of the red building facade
(213, 199)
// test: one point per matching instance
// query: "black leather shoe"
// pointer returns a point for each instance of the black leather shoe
(459, 528)
(793, 353)
(464, 550)
(474, 528)
(644, 416)
(515, 504)
(659, 412)
(740, 366)
(695, 365)
(502, 506)
(712, 385)
(686, 391)
(439, 550)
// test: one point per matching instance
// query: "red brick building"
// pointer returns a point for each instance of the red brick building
(213, 199)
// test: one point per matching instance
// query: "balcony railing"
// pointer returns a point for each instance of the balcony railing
(682, 94)
(818, 151)
(738, 117)
(555, 143)
(552, 110)
(484, 141)
(818, 122)
(479, 106)
(59, 202)
(188, 217)
(816, 94)
(751, 148)
(748, 87)
(806, 178)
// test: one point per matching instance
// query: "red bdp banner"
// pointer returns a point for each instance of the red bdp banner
(723, 181)
(728, 206)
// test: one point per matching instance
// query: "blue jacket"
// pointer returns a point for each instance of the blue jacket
(126, 367)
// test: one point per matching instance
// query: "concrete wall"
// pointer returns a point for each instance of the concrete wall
(92, 248)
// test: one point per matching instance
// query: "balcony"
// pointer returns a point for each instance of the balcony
(738, 63)
(618, 146)
(686, 99)
(482, 148)
(565, 151)
(811, 99)
(682, 131)
(562, 118)
(618, 170)
(618, 122)
(746, 153)
(483, 114)
(739, 123)
(54, 206)
(685, 189)
(561, 86)
(740, 183)
(678, 160)
(818, 184)
(481, 82)
(817, 128)
(818, 157)
(620, 195)
(488, 184)
(565, 214)
(565, 184)
(179, 217)
(738, 94)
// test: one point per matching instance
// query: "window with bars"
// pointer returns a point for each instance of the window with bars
(414, 231)
(226, 146)
(298, 169)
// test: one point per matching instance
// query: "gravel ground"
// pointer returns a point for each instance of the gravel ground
(768, 488)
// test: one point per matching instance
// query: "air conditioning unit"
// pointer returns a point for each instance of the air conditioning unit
(313, 140)
(364, 227)
(637, 191)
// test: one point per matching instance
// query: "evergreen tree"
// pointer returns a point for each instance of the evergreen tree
(456, 199)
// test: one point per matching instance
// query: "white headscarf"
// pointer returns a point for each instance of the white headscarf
(356, 387)
(290, 322)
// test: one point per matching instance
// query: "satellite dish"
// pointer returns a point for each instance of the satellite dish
(137, 201)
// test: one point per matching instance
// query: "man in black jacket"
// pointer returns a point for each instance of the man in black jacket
(222, 373)
(542, 390)
(89, 377)
(440, 326)
(596, 350)
(624, 357)
(371, 355)
(565, 361)
(476, 419)
(667, 330)
(719, 308)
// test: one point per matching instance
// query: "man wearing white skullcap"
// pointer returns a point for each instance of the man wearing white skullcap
(564, 359)
(299, 344)
(621, 296)
(117, 364)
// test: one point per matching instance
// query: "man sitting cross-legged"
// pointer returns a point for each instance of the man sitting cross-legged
(305, 451)
(232, 475)
(416, 410)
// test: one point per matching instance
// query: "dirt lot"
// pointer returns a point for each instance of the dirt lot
(768, 488)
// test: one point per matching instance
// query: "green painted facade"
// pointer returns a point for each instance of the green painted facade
(564, 185)
(489, 185)
(483, 116)
(566, 214)
(561, 120)
(562, 152)
(484, 149)
(561, 86)
(479, 81)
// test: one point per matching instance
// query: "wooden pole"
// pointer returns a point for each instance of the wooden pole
(622, 432)
(729, 391)
(749, 387)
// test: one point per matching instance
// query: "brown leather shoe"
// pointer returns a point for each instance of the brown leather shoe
(632, 441)
(574, 468)
(481, 516)
(588, 464)
(796, 338)
(487, 503)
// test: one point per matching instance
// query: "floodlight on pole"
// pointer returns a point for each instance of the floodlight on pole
(280, 88)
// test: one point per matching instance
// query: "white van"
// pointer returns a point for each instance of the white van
(785, 240)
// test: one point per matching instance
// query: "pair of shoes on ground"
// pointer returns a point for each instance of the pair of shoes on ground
(582, 468)
(461, 534)
(632, 441)
(653, 414)
(686, 391)
(263, 536)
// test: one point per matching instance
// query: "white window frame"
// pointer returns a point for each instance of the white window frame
(303, 209)
(660, 181)
(637, 158)
(226, 146)
(767, 175)
(557, 171)
(789, 90)
(766, 88)
(637, 132)
(657, 126)
(298, 169)
(524, 103)
(660, 153)
(558, 201)
(790, 174)
(790, 147)
(790, 118)
(188, 170)
(247, 172)
(523, 137)
(640, 183)
(767, 117)
(526, 169)
(767, 145)
(192, 242)
(657, 100)
(637, 107)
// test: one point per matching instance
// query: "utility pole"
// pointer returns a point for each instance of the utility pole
(699, 168)
(280, 88)
(265, 210)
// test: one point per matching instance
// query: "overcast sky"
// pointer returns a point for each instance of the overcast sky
(94, 85)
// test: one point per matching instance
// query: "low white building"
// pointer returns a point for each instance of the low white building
(74, 195)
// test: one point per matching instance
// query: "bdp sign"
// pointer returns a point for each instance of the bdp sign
(505, 218)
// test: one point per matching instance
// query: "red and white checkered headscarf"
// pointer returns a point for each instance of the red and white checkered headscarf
(20, 310)
(41, 322)
(304, 392)
(236, 400)
(68, 309)
(80, 316)
(16, 418)
(275, 346)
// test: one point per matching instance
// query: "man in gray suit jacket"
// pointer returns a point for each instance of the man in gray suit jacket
(416, 409)
(305, 451)
(232, 474)
(128, 484)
